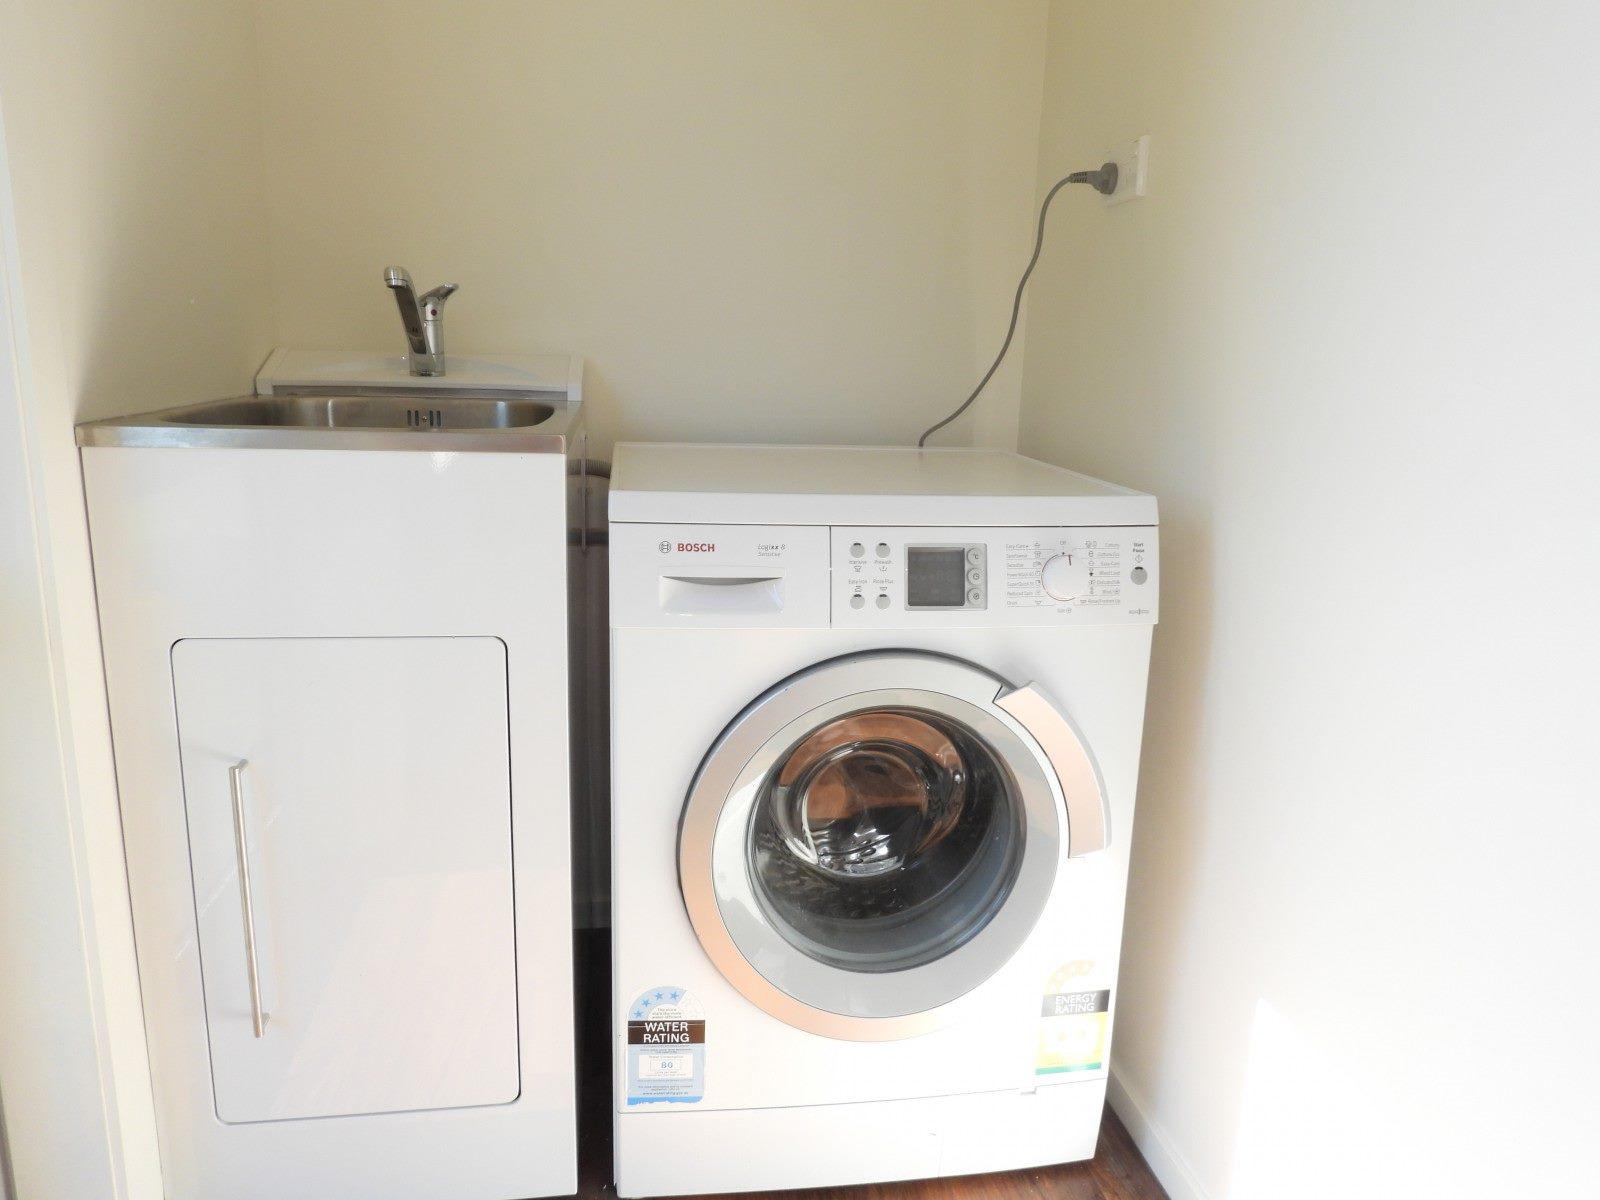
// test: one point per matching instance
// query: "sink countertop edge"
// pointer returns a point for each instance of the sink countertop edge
(147, 431)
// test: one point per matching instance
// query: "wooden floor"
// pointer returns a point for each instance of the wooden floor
(1118, 1172)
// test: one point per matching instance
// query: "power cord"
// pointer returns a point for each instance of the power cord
(1103, 181)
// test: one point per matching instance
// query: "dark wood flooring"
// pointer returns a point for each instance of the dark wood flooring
(1117, 1172)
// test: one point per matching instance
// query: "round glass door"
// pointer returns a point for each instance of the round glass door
(885, 839)
(868, 842)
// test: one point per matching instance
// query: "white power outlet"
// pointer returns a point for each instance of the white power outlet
(1133, 170)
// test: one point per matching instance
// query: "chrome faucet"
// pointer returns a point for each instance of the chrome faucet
(423, 317)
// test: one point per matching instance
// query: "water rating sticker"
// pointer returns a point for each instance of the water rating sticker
(1072, 1025)
(666, 1048)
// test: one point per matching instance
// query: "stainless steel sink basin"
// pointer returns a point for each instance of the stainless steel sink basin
(434, 419)
(419, 412)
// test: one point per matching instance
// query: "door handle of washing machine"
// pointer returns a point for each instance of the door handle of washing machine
(1088, 812)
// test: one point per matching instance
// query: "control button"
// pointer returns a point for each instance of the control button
(882, 601)
(974, 596)
(1138, 575)
(858, 601)
(974, 554)
(1066, 576)
(857, 550)
(883, 549)
(974, 576)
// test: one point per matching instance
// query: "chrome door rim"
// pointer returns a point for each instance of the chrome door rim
(722, 904)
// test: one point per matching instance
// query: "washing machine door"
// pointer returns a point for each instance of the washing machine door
(876, 836)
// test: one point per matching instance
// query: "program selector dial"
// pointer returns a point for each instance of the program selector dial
(1066, 576)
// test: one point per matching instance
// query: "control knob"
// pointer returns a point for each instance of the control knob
(1066, 576)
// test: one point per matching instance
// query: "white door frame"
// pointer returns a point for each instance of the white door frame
(76, 1117)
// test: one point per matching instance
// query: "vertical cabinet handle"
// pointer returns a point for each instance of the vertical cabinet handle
(258, 1019)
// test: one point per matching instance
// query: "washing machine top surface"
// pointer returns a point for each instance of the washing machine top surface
(831, 485)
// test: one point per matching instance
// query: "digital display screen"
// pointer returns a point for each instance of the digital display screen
(936, 576)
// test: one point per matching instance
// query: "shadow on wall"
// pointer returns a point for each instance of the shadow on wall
(8, 1183)
(1171, 827)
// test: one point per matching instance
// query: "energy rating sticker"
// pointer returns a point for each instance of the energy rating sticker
(666, 1048)
(1072, 1026)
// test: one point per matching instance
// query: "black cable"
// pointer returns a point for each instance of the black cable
(1104, 181)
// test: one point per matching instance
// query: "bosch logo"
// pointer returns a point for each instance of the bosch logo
(696, 547)
(665, 547)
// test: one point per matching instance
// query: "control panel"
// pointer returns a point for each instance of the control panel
(880, 577)
(1034, 576)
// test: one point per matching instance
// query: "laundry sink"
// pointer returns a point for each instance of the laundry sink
(418, 411)
(354, 418)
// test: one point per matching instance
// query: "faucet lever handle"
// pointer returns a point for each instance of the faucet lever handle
(436, 297)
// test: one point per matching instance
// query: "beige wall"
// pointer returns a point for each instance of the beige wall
(136, 149)
(139, 251)
(757, 221)
(1351, 341)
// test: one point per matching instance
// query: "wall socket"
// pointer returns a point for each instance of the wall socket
(1133, 170)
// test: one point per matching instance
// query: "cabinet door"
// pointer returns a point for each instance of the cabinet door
(363, 786)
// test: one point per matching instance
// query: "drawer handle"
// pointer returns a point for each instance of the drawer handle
(258, 1019)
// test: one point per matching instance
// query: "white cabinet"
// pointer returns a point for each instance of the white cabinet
(365, 785)
(380, 637)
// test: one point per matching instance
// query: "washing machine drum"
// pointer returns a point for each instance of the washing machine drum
(873, 838)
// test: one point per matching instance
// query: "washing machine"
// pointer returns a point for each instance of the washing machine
(876, 717)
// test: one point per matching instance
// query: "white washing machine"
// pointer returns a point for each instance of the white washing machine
(876, 718)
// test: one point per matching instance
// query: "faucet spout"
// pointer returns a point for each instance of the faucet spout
(423, 318)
